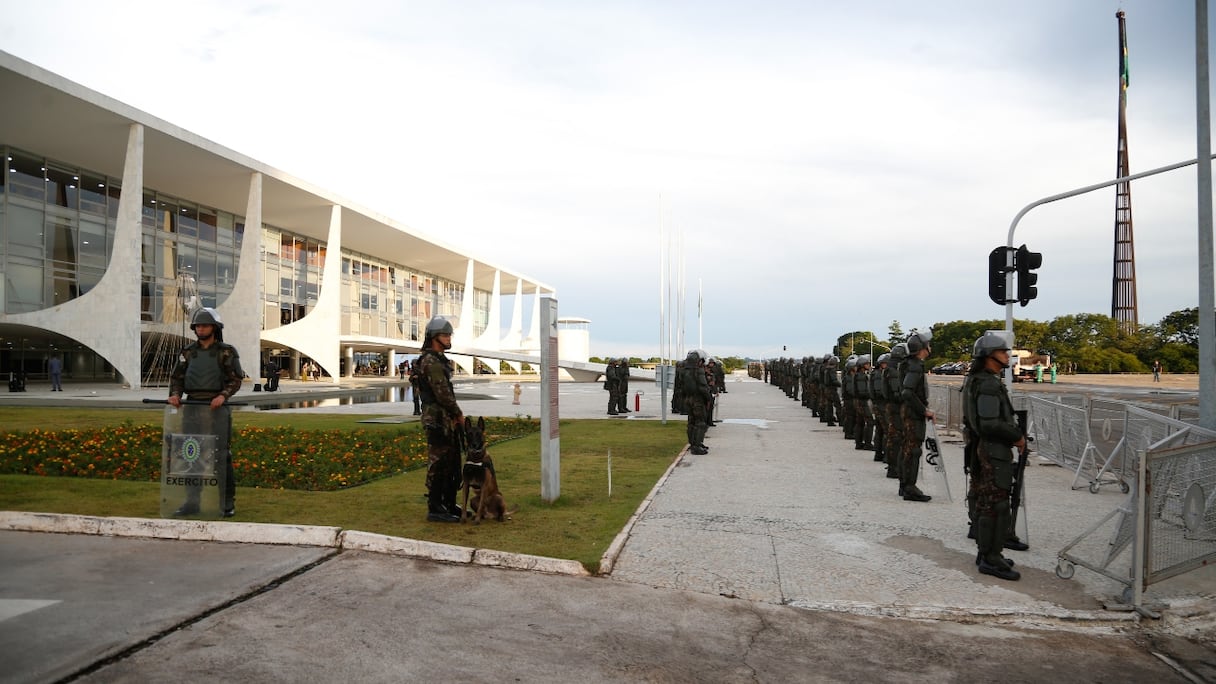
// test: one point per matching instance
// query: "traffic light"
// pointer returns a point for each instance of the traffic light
(1027, 261)
(998, 266)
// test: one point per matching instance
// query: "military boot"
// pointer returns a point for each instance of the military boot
(989, 544)
(913, 493)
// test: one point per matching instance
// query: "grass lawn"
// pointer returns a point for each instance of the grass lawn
(579, 525)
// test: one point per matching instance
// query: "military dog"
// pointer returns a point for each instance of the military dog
(478, 474)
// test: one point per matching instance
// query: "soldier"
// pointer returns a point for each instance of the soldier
(622, 404)
(812, 384)
(992, 433)
(612, 383)
(209, 369)
(878, 402)
(677, 389)
(916, 411)
(696, 393)
(710, 364)
(443, 421)
(863, 426)
(846, 396)
(720, 377)
(893, 383)
(823, 388)
(831, 386)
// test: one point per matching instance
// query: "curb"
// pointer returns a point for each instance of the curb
(286, 535)
(608, 560)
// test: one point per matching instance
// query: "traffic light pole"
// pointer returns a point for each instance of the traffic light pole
(1073, 193)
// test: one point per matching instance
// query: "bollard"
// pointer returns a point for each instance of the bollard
(637, 401)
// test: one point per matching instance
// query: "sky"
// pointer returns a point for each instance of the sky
(819, 167)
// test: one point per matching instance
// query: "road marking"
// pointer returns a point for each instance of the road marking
(11, 608)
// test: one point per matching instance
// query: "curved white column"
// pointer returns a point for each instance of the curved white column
(241, 311)
(316, 334)
(106, 319)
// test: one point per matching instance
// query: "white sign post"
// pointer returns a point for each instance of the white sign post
(550, 448)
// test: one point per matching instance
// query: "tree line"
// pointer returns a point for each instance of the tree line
(1087, 343)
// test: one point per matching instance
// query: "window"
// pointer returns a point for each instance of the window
(26, 177)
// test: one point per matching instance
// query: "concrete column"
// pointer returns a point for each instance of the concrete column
(349, 353)
(391, 371)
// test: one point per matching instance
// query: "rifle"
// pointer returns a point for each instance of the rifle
(1015, 492)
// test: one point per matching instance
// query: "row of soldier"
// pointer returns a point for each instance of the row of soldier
(699, 379)
(881, 405)
(884, 407)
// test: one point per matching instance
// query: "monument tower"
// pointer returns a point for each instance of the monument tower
(1123, 292)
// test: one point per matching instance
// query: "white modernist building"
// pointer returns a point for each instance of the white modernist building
(116, 225)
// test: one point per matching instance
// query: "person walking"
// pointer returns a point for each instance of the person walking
(209, 369)
(992, 434)
(1156, 370)
(412, 373)
(443, 422)
(55, 369)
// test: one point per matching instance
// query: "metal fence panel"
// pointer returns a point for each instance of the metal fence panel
(1180, 524)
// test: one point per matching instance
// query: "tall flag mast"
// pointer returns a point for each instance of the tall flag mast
(1123, 292)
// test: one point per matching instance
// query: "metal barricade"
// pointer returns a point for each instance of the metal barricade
(1061, 435)
(946, 403)
(1169, 518)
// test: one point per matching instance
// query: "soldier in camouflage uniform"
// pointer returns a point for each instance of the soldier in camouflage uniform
(893, 383)
(831, 387)
(915, 412)
(992, 433)
(612, 383)
(677, 388)
(878, 401)
(813, 378)
(696, 400)
(208, 369)
(622, 404)
(443, 421)
(863, 421)
(849, 407)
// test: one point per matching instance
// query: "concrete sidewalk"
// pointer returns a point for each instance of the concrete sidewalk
(785, 510)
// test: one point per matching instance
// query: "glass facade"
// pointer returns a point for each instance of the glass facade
(57, 227)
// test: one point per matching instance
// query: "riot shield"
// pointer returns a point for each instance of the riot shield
(194, 461)
(933, 456)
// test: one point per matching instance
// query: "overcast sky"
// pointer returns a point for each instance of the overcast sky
(833, 166)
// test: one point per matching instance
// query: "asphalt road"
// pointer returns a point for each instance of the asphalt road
(132, 610)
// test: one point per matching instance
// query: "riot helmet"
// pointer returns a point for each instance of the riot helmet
(919, 340)
(851, 362)
(884, 358)
(437, 326)
(987, 344)
(863, 360)
(833, 361)
(206, 316)
(899, 352)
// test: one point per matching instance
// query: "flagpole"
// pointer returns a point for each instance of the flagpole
(700, 308)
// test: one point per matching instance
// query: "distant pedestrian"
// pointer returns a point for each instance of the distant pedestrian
(1156, 370)
(1054, 369)
(55, 368)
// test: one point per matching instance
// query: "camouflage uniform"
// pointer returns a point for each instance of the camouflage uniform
(915, 396)
(201, 374)
(893, 449)
(863, 420)
(879, 403)
(441, 418)
(831, 387)
(992, 430)
(849, 414)
(612, 383)
(696, 400)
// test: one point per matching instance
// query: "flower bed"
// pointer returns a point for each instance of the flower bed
(274, 458)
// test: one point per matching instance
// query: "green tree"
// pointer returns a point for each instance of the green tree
(895, 334)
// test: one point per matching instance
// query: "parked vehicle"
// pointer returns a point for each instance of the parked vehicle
(1028, 365)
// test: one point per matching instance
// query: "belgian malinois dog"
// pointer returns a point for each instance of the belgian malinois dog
(479, 475)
